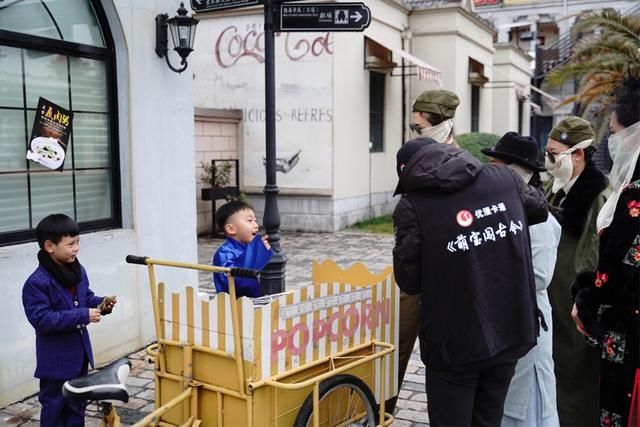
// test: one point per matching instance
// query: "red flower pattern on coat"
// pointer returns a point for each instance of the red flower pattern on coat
(634, 208)
(609, 344)
(601, 279)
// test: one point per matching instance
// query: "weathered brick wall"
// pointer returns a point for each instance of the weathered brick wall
(216, 133)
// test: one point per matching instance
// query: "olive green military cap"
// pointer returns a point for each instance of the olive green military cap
(440, 102)
(572, 130)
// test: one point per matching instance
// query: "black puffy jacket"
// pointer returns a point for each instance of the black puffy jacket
(461, 240)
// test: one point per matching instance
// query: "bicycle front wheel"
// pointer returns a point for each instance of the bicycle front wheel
(345, 401)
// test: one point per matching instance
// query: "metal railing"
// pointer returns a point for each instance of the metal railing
(559, 52)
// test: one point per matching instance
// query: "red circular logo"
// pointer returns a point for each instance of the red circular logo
(464, 218)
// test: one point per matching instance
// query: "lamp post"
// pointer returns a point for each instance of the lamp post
(272, 276)
(183, 33)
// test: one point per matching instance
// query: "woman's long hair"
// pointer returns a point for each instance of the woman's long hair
(627, 102)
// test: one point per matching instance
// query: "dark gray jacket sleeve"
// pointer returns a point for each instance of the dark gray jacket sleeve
(533, 200)
(407, 249)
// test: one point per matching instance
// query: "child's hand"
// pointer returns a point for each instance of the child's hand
(94, 315)
(265, 240)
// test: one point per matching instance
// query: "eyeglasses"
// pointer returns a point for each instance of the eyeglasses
(416, 128)
(552, 157)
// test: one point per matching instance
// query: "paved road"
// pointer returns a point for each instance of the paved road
(345, 247)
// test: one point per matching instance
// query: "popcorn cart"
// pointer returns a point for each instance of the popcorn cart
(322, 355)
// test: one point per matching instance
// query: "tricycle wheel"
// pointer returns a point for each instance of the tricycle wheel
(345, 401)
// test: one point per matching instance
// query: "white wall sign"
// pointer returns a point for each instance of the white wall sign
(229, 73)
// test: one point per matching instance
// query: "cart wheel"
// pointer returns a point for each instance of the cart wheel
(345, 400)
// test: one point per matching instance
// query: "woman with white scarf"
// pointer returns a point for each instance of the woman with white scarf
(432, 115)
(576, 194)
(607, 301)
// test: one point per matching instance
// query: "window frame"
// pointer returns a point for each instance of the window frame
(377, 146)
(72, 49)
(520, 114)
(475, 108)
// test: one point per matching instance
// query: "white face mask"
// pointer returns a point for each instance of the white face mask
(562, 169)
(624, 147)
(522, 172)
(614, 145)
(440, 132)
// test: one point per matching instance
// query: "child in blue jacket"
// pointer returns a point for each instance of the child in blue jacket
(243, 247)
(59, 305)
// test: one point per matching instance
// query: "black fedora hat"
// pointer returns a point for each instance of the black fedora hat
(518, 149)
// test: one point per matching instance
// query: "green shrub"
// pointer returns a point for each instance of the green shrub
(475, 141)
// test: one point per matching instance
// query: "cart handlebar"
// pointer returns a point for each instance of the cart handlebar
(136, 259)
(233, 271)
(243, 272)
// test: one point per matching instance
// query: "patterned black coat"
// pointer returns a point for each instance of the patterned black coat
(608, 302)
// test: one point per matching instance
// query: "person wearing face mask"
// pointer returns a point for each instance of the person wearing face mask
(432, 120)
(432, 115)
(531, 399)
(576, 193)
(607, 300)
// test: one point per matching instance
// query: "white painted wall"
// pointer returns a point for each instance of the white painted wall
(351, 116)
(446, 38)
(364, 181)
(336, 180)
(512, 61)
(229, 74)
(157, 164)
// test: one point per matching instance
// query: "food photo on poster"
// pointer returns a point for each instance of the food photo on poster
(50, 135)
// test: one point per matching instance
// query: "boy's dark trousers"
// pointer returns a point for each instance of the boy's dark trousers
(473, 397)
(57, 411)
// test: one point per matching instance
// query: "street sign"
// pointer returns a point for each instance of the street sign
(215, 5)
(322, 17)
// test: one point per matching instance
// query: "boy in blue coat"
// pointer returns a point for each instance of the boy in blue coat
(243, 247)
(59, 305)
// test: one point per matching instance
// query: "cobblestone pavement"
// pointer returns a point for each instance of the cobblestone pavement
(345, 247)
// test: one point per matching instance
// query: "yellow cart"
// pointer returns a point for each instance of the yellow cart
(322, 355)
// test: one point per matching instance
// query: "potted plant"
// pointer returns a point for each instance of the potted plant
(217, 175)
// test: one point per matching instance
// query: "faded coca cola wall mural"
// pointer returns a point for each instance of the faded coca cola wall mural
(229, 73)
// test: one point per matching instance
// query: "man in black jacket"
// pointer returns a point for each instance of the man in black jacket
(461, 241)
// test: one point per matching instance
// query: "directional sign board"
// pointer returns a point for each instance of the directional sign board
(215, 5)
(322, 17)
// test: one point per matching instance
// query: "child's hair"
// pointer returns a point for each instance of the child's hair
(228, 209)
(54, 227)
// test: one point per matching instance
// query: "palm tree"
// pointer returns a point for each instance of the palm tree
(602, 59)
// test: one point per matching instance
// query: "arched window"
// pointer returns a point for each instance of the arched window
(60, 50)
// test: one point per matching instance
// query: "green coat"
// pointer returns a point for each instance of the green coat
(577, 365)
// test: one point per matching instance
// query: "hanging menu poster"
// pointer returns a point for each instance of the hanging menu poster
(50, 135)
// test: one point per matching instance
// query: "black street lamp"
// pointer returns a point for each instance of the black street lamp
(272, 276)
(183, 33)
